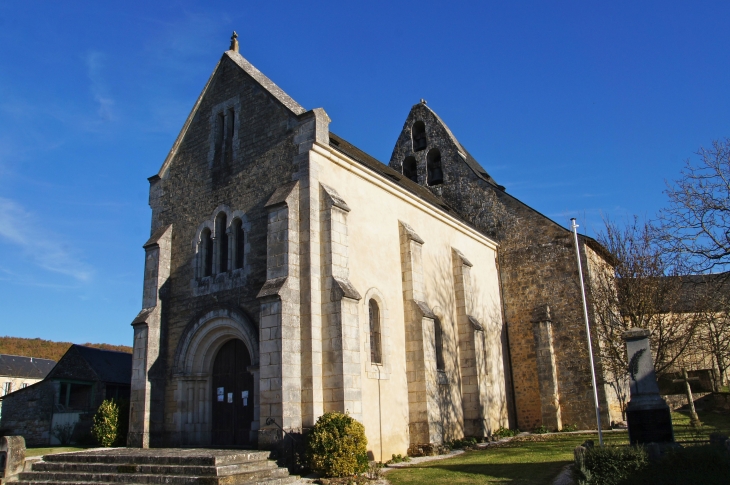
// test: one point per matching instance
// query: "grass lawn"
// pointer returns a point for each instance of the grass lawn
(50, 450)
(535, 459)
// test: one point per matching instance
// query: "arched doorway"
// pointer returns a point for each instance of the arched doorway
(233, 395)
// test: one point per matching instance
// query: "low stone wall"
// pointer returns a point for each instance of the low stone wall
(676, 401)
(28, 413)
(716, 401)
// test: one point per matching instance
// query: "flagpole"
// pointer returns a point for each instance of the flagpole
(574, 226)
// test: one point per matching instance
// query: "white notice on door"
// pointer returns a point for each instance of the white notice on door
(221, 392)
(230, 397)
(244, 395)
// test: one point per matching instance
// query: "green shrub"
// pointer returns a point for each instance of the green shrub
(337, 446)
(398, 459)
(609, 465)
(541, 430)
(503, 432)
(111, 423)
(708, 465)
(461, 444)
(568, 428)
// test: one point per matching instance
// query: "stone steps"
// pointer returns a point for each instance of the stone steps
(268, 481)
(195, 470)
(157, 467)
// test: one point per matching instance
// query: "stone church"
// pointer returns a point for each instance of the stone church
(289, 274)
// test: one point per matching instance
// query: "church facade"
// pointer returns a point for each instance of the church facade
(289, 274)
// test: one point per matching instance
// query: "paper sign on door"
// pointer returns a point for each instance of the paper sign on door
(221, 391)
(244, 395)
(230, 397)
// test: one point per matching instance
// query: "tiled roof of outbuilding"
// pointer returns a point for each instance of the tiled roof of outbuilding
(30, 367)
(110, 366)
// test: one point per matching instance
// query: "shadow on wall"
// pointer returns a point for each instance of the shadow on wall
(442, 299)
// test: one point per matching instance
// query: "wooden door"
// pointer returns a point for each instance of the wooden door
(232, 395)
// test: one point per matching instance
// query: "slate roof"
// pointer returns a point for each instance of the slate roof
(110, 366)
(347, 148)
(30, 367)
(703, 292)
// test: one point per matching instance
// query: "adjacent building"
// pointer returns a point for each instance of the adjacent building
(59, 408)
(18, 372)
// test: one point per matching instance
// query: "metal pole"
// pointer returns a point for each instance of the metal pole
(574, 226)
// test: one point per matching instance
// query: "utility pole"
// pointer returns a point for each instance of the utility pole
(574, 226)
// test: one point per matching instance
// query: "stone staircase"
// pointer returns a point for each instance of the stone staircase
(157, 466)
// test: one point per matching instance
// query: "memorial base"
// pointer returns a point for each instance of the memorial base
(649, 422)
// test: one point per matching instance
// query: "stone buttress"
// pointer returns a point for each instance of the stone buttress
(424, 415)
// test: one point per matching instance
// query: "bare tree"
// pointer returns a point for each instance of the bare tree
(712, 301)
(643, 291)
(697, 222)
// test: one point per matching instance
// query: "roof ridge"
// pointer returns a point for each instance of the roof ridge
(26, 357)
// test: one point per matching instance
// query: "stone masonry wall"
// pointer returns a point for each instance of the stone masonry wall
(540, 269)
(28, 413)
(186, 193)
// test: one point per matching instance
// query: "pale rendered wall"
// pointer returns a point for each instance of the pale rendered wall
(376, 206)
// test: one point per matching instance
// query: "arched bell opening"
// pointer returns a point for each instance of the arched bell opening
(418, 132)
(410, 169)
(435, 173)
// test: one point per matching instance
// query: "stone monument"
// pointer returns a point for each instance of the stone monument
(647, 414)
(12, 457)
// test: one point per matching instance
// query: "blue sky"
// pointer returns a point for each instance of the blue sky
(578, 108)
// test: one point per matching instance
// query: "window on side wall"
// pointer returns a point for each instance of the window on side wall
(439, 341)
(376, 354)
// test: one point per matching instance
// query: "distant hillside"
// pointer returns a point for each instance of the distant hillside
(46, 349)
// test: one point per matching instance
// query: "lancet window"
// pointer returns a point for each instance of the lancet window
(439, 341)
(221, 243)
(206, 253)
(238, 242)
(376, 354)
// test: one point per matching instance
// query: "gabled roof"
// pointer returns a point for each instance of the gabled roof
(28, 367)
(109, 365)
(90, 364)
(256, 75)
(465, 155)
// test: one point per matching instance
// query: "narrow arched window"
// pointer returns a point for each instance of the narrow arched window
(230, 124)
(206, 252)
(433, 165)
(220, 132)
(410, 169)
(418, 132)
(376, 354)
(238, 243)
(439, 341)
(221, 239)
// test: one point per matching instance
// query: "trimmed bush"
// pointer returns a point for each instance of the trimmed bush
(708, 465)
(608, 465)
(111, 423)
(337, 446)
(503, 432)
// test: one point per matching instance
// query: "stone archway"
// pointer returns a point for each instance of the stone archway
(195, 356)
